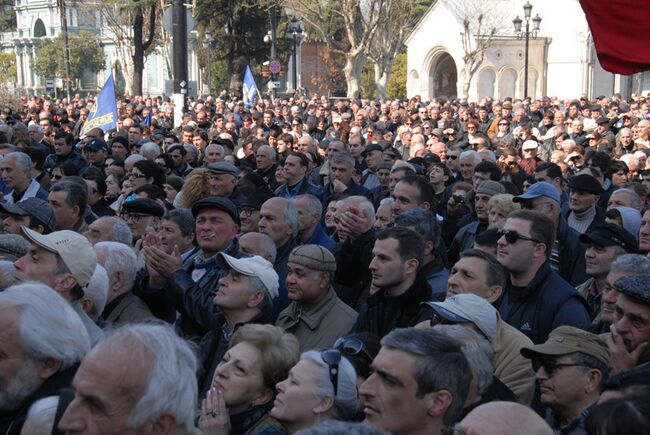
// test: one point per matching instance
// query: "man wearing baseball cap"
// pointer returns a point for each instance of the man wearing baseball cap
(605, 243)
(64, 260)
(245, 295)
(96, 152)
(316, 315)
(190, 287)
(570, 367)
(568, 254)
(34, 213)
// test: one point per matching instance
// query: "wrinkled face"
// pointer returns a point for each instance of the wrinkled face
(263, 160)
(233, 291)
(98, 231)
(239, 376)
(66, 216)
(633, 322)
(619, 199)
(221, 184)
(644, 233)
(296, 402)
(581, 201)
(386, 267)
(469, 275)
(112, 187)
(304, 284)
(11, 174)
(390, 394)
(467, 168)
(374, 159)
(18, 374)
(248, 218)
(608, 298)
(342, 172)
(565, 386)
(383, 217)
(106, 391)
(215, 230)
(272, 221)
(481, 207)
(171, 235)
(496, 217)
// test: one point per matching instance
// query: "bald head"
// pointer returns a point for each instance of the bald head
(504, 418)
(258, 244)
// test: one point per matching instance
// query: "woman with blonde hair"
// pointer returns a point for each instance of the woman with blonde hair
(196, 187)
(499, 207)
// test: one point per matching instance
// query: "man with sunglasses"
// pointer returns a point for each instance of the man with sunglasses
(536, 300)
(570, 367)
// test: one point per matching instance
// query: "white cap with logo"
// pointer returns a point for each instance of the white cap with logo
(253, 266)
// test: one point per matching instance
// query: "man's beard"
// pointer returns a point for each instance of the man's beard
(23, 384)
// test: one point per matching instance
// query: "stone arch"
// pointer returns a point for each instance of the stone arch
(414, 80)
(441, 74)
(507, 82)
(39, 29)
(533, 82)
(487, 79)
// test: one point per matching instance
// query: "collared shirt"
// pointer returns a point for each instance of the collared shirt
(576, 427)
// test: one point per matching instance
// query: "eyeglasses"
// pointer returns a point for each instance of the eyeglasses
(551, 367)
(135, 175)
(57, 177)
(352, 346)
(503, 124)
(135, 217)
(247, 212)
(513, 236)
(332, 357)
(451, 157)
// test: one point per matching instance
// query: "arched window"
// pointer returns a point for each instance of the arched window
(39, 29)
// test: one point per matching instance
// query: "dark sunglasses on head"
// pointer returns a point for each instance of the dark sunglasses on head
(550, 367)
(513, 236)
(352, 346)
(332, 357)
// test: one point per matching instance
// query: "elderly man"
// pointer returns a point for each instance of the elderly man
(246, 293)
(109, 229)
(222, 179)
(65, 261)
(38, 359)
(584, 213)
(279, 220)
(16, 172)
(397, 289)
(154, 393)
(503, 418)
(69, 200)
(189, 287)
(122, 306)
(535, 300)
(249, 211)
(316, 315)
(310, 231)
(470, 309)
(468, 161)
(341, 181)
(34, 213)
(624, 198)
(402, 396)
(213, 153)
(265, 160)
(142, 214)
(571, 365)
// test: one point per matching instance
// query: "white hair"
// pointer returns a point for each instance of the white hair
(48, 326)
(171, 385)
(471, 154)
(150, 151)
(119, 258)
(97, 291)
(488, 155)
(120, 231)
(41, 416)
(7, 273)
(362, 202)
(386, 201)
(133, 158)
(22, 162)
(345, 400)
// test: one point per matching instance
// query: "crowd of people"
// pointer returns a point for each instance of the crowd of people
(326, 266)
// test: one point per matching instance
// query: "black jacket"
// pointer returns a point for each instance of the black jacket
(546, 303)
(571, 255)
(352, 277)
(382, 313)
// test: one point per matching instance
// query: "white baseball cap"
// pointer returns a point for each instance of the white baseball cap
(469, 308)
(253, 266)
(529, 145)
(74, 249)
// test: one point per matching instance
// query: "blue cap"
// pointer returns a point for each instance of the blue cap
(541, 188)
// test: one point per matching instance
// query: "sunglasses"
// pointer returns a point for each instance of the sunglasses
(503, 123)
(513, 236)
(550, 367)
(332, 357)
(450, 157)
(353, 347)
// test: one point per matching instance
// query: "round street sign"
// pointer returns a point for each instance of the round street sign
(275, 66)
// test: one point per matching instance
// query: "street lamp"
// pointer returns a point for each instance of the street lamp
(296, 29)
(527, 34)
(207, 44)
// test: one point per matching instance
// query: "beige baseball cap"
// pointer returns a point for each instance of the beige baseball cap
(253, 266)
(74, 249)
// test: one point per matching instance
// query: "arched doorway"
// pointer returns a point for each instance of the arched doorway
(507, 83)
(39, 29)
(486, 80)
(443, 77)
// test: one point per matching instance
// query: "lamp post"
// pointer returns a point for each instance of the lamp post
(296, 29)
(527, 34)
(207, 44)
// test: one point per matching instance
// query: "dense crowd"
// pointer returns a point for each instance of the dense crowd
(318, 266)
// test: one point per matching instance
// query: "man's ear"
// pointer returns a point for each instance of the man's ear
(438, 403)
(324, 405)
(87, 305)
(411, 266)
(47, 367)
(494, 293)
(164, 424)
(64, 283)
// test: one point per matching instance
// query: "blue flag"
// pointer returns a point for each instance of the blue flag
(147, 119)
(250, 88)
(104, 113)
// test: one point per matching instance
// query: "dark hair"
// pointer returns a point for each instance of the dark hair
(37, 156)
(553, 170)
(599, 159)
(615, 166)
(101, 182)
(304, 161)
(183, 218)
(77, 193)
(409, 244)
(152, 191)
(422, 222)
(153, 170)
(627, 415)
(362, 360)
(495, 273)
(542, 227)
(427, 193)
(62, 134)
(492, 168)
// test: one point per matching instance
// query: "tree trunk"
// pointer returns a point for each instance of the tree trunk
(466, 79)
(382, 76)
(353, 66)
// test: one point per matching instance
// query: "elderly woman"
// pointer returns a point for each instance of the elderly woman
(499, 207)
(243, 386)
(322, 386)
